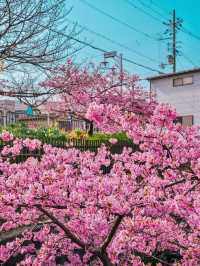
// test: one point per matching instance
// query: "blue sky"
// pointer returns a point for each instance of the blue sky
(142, 33)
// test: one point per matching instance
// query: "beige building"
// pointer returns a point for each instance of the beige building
(182, 91)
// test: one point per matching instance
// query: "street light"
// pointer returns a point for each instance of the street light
(112, 54)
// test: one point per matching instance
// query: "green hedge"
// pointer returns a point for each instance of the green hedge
(20, 130)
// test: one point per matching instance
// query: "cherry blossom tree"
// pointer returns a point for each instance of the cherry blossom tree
(79, 86)
(82, 208)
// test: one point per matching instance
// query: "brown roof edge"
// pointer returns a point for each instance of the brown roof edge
(190, 71)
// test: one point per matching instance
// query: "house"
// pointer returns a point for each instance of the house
(46, 115)
(40, 117)
(182, 91)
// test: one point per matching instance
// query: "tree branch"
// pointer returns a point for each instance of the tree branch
(67, 231)
(192, 188)
(101, 253)
(175, 183)
(112, 232)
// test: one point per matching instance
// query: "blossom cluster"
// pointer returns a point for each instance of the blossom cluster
(6, 136)
(15, 145)
(103, 208)
(80, 86)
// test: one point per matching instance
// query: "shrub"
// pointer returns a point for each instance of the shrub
(20, 130)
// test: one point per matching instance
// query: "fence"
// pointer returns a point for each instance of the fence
(74, 123)
(85, 144)
(81, 144)
(71, 124)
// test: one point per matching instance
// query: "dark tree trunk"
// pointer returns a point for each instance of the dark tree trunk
(105, 259)
(91, 129)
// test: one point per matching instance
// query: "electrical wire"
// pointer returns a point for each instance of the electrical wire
(104, 51)
(186, 31)
(99, 48)
(183, 29)
(189, 59)
(151, 8)
(141, 65)
(118, 20)
(144, 11)
(113, 41)
(158, 7)
(94, 47)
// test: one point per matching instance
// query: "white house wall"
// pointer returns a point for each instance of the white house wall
(186, 99)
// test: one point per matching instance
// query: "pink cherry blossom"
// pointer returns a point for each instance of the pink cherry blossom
(100, 208)
(83, 87)
(6, 136)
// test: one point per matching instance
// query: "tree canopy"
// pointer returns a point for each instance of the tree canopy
(82, 208)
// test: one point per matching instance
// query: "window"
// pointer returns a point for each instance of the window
(179, 119)
(178, 82)
(182, 81)
(187, 80)
(186, 120)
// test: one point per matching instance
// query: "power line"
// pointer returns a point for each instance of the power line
(143, 11)
(104, 51)
(186, 31)
(113, 41)
(141, 65)
(98, 48)
(125, 59)
(180, 63)
(188, 59)
(161, 8)
(150, 7)
(118, 20)
(182, 28)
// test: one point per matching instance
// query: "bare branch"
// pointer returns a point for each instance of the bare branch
(31, 32)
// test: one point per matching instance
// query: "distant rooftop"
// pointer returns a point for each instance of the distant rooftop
(190, 71)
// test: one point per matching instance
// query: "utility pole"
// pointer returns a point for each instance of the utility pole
(173, 26)
(174, 40)
(121, 71)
